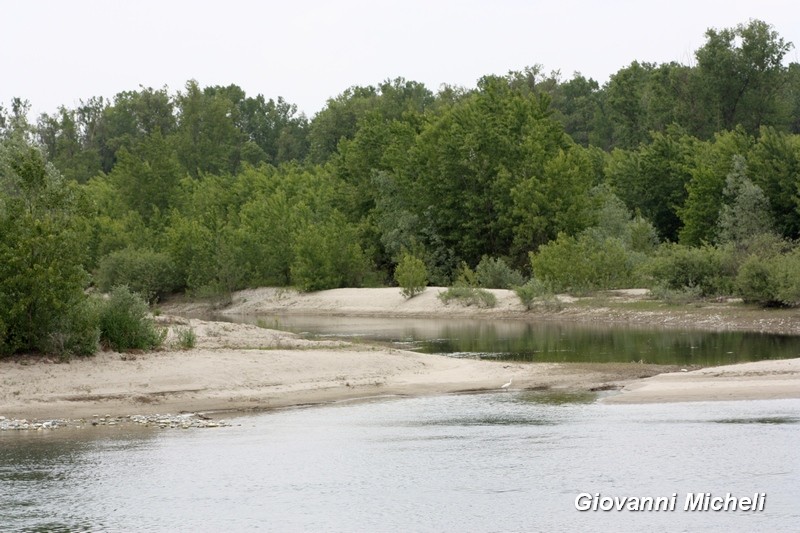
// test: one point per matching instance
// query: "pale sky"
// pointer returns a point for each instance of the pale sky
(58, 52)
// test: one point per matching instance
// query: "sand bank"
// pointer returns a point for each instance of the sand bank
(629, 307)
(244, 367)
(760, 380)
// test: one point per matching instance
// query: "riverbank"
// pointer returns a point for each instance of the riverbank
(240, 367)
(629, 307)
(761, 380)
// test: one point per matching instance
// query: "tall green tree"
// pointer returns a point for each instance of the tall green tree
(774, 164)
(742, 75)
(653, 179)
(746, 212)
(710, 166)
(70, 143)
(466, 162)
(42, 233)
(207, 139)
(147, 177)
(132, 117)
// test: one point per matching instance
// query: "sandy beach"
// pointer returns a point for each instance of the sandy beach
(760, 380)
(241, 367)
(244, 367)
(627, 306)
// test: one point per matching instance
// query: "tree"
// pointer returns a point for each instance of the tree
(411, 275)
(42, 303)
(69, 140)
(147, 178)
(132, 117)
(207, 138)
(742, 74)
(274, 128)
(327, 256)
(746, 213)
(466, 164)
(553, 200)
(774, 164)
(653, 179)
(14, 124)
(577, 107)
(625, 103)
(338, 120)
(709, 167)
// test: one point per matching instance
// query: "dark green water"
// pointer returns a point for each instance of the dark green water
(546, 342)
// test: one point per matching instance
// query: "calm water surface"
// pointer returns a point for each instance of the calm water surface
(488, 462)
(546, 341)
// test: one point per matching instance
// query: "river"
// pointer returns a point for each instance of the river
(512, 461)
(506, 461)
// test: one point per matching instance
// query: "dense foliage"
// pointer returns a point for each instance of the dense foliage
(672, 176)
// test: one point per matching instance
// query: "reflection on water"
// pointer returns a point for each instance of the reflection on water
(479, 462)
(547, 341)
(761, 420)
(557, 397)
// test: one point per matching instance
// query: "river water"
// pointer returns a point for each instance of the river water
(527, 341)
(511, 461)
(508, 461)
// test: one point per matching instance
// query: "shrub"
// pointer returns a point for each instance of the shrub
(496, 274)
(681, 296)
(536, 292)
(788, 278)
(186, 338)
(125, 323)
(411, 275)
(77, 333)
(468, 296)
(755, 281)
(586, 263)
(770, 281)
(706, 268)
(151, 274)
(465, 276)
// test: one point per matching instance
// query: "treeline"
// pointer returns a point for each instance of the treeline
(683, 178)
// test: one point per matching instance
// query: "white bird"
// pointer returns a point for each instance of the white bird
(507, 385)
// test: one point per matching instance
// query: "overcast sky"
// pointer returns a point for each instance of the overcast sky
(59, 52)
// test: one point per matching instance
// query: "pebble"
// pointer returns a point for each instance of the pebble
(181, 421)
(23, 424)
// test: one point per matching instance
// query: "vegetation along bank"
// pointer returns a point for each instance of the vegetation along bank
(681, 179)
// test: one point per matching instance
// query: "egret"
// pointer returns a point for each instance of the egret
(507, 385)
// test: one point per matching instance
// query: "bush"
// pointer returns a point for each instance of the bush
(770, 281)
(77, 333)
(465, 276)
(187, 338)
(125, 323)
(755, 281)
(537, 292)
(468, 296)
(496, 274)
(706, 268)
(682, 296)
(411, 275)
(151, 274)
(586, 263)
